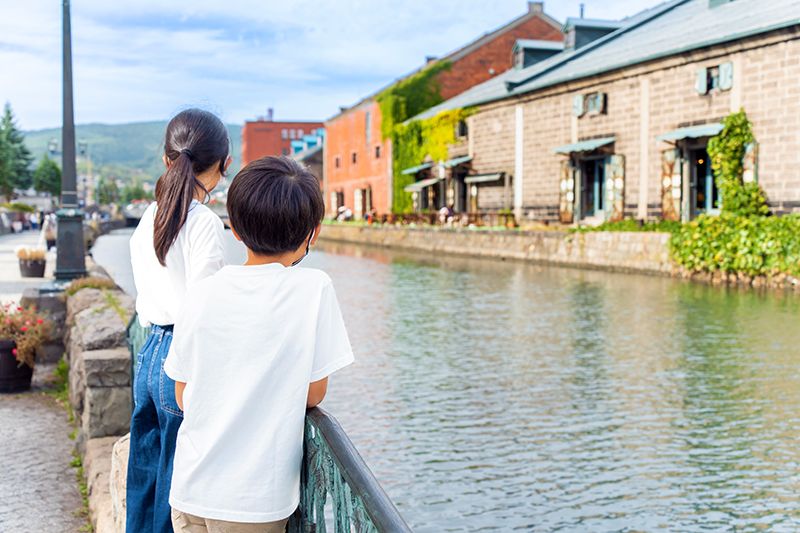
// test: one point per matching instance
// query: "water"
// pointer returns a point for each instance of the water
(503, 396)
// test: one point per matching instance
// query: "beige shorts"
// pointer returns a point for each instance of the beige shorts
(187, 523)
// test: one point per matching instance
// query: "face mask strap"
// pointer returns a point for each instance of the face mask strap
(308, 248)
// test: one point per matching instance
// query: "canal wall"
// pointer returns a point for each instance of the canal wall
(644, 252)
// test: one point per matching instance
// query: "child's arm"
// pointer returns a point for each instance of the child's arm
(179, 386)
(316, 392)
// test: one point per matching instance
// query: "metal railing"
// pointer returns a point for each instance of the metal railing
(332, 471)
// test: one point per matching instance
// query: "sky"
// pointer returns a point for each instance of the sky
(136, 60)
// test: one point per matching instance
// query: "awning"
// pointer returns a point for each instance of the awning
(483, 178)
(584, 146)
(414, 170)
(457, 161)
(692, 132)
(421, 184)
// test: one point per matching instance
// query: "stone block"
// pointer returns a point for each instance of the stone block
(107, 368)
(97, 464)
(119, 475)
(106, 412)
(97, 328)
(82, 300)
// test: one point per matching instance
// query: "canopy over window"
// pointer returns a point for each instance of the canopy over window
(421, 184)
(414, 170)
(691, 132)
(457, 161)
(584, 146)
(483, 178)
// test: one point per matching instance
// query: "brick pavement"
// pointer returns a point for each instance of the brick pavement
(38, 490)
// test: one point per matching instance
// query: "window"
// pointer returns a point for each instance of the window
(300, 134)
(377, 152)
(292, 133)
(715, 78)
(461, 129)
(337, 162)
(284, 134)
(368, 126)
(596, 103)
(354, 158)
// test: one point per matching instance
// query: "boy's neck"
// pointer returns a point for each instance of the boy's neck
(285, 259)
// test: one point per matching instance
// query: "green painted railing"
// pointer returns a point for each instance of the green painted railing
(336, 484)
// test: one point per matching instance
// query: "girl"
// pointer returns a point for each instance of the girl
(178, 241)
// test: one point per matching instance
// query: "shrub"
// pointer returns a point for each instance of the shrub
(31, 254)
(628, 224)
(27, 328)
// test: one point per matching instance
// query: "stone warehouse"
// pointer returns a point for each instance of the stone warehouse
(358, 154)
(617, 124)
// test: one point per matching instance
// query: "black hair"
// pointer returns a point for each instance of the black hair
(273, 205)
(195, 141)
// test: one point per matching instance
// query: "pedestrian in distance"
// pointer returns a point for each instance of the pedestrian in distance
(178, 242)
(253, 348)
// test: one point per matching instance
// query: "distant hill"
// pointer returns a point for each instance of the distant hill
(124, 150)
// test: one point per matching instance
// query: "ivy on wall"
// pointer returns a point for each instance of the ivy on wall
(727, 152)
(415, 141)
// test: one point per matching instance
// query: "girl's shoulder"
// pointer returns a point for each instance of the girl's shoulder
(202, 218)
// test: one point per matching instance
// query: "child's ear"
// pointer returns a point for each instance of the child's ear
(228, 162)
(167, 162)
(316, 233)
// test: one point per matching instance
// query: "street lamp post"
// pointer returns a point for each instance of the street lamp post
(70, 260)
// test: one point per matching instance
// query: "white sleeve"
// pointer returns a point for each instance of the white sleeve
(332, 349)
(177, 365)
(206, 248)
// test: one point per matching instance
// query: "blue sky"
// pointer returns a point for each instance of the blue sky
(140, 60)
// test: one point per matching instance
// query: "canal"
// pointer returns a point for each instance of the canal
(504, 396)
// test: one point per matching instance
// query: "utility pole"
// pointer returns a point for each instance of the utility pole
(70, 260)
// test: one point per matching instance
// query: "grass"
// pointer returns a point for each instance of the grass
(83, 487)
(91, 282)
(114, 303)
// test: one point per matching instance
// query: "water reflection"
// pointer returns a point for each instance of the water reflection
(506, 396)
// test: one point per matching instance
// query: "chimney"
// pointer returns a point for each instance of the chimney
(430, 59)
(270, 114)
(536, 7)
(583, 8)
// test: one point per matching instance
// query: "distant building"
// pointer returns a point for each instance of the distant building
(358, 160)
(309, 151)
(264, 136)
(617, 124)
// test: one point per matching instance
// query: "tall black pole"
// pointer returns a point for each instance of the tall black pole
(70, 261)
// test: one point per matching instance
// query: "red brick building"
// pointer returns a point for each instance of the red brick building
(358, 161)
(264, 137)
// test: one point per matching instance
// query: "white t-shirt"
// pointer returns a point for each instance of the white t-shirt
(197, 253)
(248, 343)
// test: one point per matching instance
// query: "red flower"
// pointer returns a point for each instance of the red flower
(39, 321)
(19, 309)
(14, 352)
(23, 329)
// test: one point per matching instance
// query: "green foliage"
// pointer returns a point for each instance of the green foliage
(417, 140)
(18, 207)
(107, 192)
(15, 158)
(732, 243)
(47, 177)
(628, 224)
(135, 191)
(410, 96)
(727, 151)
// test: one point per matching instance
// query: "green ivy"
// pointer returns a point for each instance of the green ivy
(751, 245)
(727, 151)
(415, 141)
(410, 96)
(628, 224)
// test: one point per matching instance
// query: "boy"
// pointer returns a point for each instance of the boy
(252, 349)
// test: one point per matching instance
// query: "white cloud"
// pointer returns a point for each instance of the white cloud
(145, 59)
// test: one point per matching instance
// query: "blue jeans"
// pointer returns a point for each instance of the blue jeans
(154, 428)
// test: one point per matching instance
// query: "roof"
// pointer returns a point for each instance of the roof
(537, 44)
(692, 132)
(305, 154)
(573, 22)
(584, 146)
(463, 51)
(672, 28)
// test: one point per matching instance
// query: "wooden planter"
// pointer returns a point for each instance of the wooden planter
(32, 268)
(14, 377)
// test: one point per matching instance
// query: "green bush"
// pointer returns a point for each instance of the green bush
(737, 244)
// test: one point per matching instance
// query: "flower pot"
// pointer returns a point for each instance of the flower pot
(32, 268)
(14, 377)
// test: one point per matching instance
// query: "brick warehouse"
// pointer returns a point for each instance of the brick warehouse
(618, 127)
(264, 136)
(358, 161)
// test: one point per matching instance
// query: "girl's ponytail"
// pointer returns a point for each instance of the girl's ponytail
(196, 140)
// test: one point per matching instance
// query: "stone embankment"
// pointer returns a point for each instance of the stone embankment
(617, 251)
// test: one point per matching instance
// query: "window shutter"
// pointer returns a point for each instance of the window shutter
(726, 76)
(702, 81)
(671, 184)
(566, 195)
(750, 163)
(615, 187)
(578, 105)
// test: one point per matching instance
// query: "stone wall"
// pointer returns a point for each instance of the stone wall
(619, 251)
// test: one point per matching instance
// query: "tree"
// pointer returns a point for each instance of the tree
(107, 192)
(15, 170)
(47, 177)
(135, 191)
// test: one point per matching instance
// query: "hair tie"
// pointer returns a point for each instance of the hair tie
(187, 152)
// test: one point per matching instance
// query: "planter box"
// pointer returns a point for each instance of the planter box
(13, 376)
(32, 268)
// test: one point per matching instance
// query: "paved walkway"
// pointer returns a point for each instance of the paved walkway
(38, 490)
